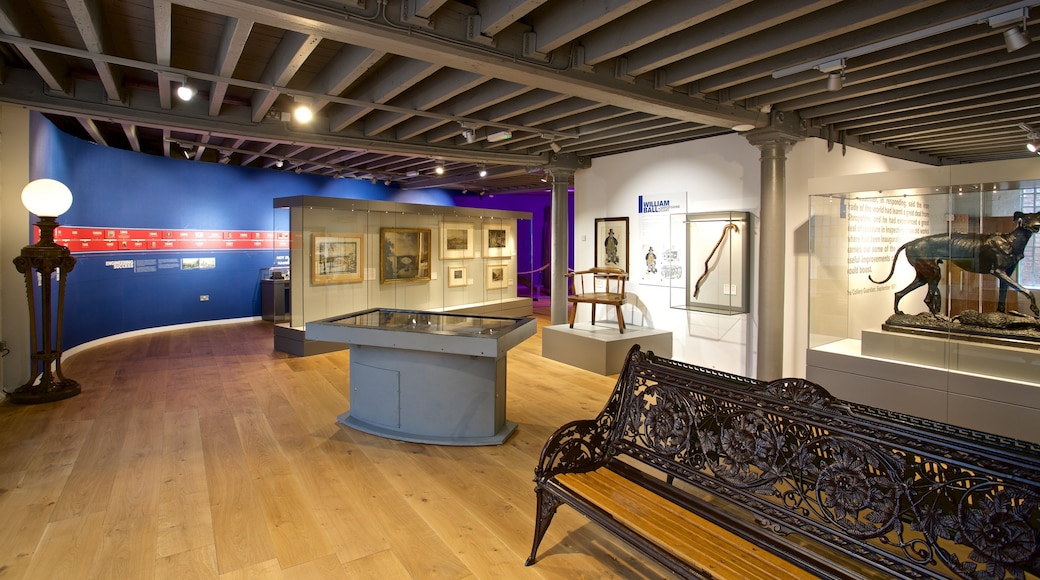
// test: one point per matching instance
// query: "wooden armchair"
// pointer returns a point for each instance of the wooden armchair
(598, 286)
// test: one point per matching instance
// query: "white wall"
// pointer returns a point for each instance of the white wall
(718, 174)
(14, 233)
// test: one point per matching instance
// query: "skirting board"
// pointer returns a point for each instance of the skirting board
(601, 348)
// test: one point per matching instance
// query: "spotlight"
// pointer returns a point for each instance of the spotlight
(834, 81)
(835, 70)
(412, 173)
(386, 182)
(500, 136)
(1032, 147)
(185, 92)
(483, 171)
(1015, 39)
(279, 164)
(555, 147)
(439, 170)
(470, 135)
(298, 170)
(302, 112)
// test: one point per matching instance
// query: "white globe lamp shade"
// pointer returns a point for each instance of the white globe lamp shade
(46, 197)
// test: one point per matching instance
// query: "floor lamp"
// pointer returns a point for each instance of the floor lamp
(47, 199)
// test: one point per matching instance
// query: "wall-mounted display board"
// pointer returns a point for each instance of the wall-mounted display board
(717, 248)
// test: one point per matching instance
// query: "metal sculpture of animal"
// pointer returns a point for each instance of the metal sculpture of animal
(996, 254)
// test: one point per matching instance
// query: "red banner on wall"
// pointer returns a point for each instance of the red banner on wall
(80, 239)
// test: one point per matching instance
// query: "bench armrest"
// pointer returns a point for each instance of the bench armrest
(576, 447)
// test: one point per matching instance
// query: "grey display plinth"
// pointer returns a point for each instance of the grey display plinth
(427, 377)
(601, 349)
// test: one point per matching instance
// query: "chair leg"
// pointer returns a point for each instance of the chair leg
(572, 314)
(593, 314)
(620, 319)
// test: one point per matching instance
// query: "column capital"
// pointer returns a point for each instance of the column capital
(785, 128)
(565, 164)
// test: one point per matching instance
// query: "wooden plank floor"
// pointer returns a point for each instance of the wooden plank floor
(203, 453)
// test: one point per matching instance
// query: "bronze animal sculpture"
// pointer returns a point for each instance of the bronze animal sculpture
(996, 254)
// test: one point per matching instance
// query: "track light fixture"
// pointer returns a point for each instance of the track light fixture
(1033, 135)
(186, 92)
(483, 171)
(835, 74)
(1017, 36)
(279, 164)
(555, 147)
(439, 170)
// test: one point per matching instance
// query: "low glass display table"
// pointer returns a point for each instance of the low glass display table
(427, 377)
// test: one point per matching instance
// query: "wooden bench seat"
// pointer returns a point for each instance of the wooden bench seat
(714, 475)
(597, 286)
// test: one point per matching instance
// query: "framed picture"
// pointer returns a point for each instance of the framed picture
(612, 243)
(498, 239)
(457, 240)
(457, 276)
(337, 258)
(405, 254)
(497, 276)
(718, 270)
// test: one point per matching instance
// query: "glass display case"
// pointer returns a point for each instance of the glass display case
(348, 255)
(921, 301)
(716, 249)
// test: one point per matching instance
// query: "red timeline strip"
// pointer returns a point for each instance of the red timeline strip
(89, 239)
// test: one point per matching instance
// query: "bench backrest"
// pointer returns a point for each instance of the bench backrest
(916, 498)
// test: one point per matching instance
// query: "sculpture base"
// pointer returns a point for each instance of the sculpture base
(37, 394)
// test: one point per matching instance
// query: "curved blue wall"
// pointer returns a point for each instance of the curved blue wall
(121, 189)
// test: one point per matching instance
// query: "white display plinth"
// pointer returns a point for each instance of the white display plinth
(601, 348)
(945, 380)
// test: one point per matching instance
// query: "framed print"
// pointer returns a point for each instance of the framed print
(612, 243)
(405, 255)
(337, 258)
(457, 276)
(497, 276)
(457, 240)
(498, 239)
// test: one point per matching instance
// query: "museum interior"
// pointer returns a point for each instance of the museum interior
(382, 288)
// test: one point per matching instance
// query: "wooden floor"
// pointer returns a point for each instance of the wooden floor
(203, 453)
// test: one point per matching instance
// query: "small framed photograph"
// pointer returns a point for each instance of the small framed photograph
(405, 255)
(612, 243)
(336, 259)
(497, 276)
(457, 276)
(457, 240)
(498, 239)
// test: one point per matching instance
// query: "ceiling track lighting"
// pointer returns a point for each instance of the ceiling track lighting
(483, 171)
(555, 147)
(835, 74)
(1017, 36)
(1033, 135)
(439, 170)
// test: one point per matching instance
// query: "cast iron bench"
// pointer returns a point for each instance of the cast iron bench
(598, 286)
(718, 475)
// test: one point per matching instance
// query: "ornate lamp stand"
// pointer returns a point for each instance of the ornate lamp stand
(48, 199)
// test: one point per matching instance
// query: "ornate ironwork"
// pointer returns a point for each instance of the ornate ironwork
(912, 497)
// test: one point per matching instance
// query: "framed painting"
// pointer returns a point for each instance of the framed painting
(336, 259)
(612, 243)
(457, 276)
(498, 239)
(497, 276)
(457, 240)
(405, 255)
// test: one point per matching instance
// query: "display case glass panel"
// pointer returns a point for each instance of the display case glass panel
(349, 255)
(921, 301)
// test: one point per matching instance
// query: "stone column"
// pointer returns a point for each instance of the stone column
(774, 144)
